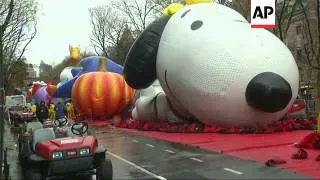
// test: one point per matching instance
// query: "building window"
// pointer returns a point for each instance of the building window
(298, 29)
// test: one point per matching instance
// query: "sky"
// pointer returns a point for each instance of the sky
(61, 23)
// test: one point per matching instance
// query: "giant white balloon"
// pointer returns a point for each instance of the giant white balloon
(66, 74)
(215, 68)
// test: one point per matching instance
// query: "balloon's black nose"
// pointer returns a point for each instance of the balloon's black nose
(268, 92)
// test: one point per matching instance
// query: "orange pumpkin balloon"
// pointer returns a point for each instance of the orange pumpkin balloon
(101, 94)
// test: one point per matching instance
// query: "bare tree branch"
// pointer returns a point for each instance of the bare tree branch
(243, 7)
(14, 40)
(107, 28)
(138, 13)
(3, 27)
(309, 41)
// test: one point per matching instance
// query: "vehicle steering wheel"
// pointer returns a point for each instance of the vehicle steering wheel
(79, 128)
(60, 122)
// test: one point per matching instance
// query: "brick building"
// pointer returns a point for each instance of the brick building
(44, 68)
(31, 74)
(299, 43)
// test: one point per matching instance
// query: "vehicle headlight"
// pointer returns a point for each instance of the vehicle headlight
(84, 151)
(57, 155)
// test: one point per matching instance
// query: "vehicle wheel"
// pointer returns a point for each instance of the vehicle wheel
(42, 177)
(43, 174)
(105, 171)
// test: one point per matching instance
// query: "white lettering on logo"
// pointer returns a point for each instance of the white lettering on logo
(69, 141)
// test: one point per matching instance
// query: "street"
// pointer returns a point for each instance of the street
(185, 89)
(137, 157)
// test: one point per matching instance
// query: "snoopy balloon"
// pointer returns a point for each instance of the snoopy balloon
(213, 67)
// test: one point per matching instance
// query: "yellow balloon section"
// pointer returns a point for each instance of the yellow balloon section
(198, 1)
(175, 7)
(74, 54)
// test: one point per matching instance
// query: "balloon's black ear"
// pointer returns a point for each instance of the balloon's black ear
(140, 66)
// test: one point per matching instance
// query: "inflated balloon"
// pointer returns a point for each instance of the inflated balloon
(66, 74)
(92, 63)
(198, 1)
(101, 94)
(88, 64)
(213, 67)
(35, 88)
(75, 71)
(29, 92)
(74, 54)
(51, 89)
(42, 95)
(60, 84)
(172, 9)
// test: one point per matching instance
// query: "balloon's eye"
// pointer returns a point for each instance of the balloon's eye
(196, 25)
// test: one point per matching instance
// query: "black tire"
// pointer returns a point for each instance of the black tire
(43, 174)
(105, 170)
(43, 177)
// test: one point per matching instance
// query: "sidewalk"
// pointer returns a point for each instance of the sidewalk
(10, 143)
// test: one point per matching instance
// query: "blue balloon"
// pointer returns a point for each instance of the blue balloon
(76, 71)
(89, 64)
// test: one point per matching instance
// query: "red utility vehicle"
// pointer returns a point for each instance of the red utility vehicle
(40, 149)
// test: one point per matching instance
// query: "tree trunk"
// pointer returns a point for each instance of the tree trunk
(318, 83)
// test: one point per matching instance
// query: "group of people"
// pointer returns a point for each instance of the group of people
(52, 111)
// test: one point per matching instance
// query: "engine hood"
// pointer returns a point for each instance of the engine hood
(67, 142)
(46, 148)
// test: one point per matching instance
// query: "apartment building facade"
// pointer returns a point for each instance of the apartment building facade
(31, 75)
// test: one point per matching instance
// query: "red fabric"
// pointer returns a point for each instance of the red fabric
(311, 140)
(49, 82)
(35, 88)
(98, 123)
(301, 154)
(278, 126)
(297, 107)
(259, 147)
(272, 162)
(307, 167)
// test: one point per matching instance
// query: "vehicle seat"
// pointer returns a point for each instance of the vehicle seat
(34, 126)
(42, 135)
(70, 134)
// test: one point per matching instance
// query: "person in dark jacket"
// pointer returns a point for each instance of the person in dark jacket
(37, 109)
(60, 110)
(42, 112)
